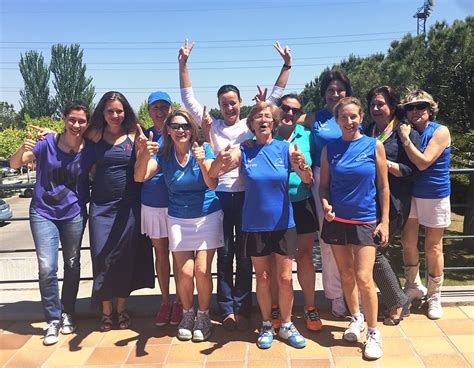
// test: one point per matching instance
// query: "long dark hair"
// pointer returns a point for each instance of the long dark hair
(98, 121)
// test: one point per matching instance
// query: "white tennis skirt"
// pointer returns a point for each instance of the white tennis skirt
(154, 222)
(193, 234)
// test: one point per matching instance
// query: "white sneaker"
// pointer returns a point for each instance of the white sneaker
(202, 327)
(373, 346)
(352, 332)
(435, 310)
(338, 308)
(185, 328)
(415, 293)
(51, 334)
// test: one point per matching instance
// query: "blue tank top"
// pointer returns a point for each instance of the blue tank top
(325, 130)
(265, 170)
(154, 190)
(434, 181)
(353, 187)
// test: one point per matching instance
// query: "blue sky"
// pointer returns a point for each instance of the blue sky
(132, 46)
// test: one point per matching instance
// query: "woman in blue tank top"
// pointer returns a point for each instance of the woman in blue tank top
(353, 172)
(430, 204)
(334, 85)
(268, 227)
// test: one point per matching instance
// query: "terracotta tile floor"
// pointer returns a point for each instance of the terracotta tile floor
(416, 342)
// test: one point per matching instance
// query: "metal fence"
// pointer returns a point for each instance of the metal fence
(468, 204)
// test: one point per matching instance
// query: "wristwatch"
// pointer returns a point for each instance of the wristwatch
(286, 66)
(407, 142)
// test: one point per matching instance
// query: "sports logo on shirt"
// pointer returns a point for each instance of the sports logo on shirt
(279, 162)
(362, 157)
(335, 159)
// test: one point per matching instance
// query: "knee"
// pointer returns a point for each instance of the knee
(285, 279)
(263, 278)
(364, 279)
(434, 250)
(47, 270)
(202, 272)
(304, 257)
(186, 273)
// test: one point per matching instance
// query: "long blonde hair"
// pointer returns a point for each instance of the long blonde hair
(167, 141)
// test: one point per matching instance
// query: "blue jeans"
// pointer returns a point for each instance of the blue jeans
(233, 297)
(46, 235)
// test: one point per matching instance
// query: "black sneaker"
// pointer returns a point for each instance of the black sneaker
(68, 326)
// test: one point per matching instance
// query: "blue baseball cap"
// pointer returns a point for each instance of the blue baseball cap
(159, 96)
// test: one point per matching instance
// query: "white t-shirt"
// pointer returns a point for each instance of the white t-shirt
(222, 134)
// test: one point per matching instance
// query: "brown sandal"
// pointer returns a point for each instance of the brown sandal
(124, 321)
(106, 322)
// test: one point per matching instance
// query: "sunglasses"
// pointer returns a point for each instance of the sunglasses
(287, 108)
(176, 126)
(418, 106)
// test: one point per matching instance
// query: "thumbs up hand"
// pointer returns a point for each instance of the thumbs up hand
(198, 152)
(145, 144)
(225, 156)
(297, 157)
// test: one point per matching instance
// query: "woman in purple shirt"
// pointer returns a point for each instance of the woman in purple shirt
(58, 213)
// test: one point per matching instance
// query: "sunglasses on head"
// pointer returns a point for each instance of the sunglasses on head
(419, 106)
(287, 108)
(176, 126)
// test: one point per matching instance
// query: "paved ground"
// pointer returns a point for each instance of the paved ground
(416, 342)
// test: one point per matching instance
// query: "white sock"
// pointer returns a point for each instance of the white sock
(266, 323)
(286, 324)
(206, 312)
(188, 310)
(373, 331)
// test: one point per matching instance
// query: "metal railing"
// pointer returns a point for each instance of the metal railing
(16, 187)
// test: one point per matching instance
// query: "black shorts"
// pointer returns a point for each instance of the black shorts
(341, 233)
(304, 213)
(264, 243)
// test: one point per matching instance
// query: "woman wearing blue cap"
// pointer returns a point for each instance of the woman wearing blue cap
(155, 211)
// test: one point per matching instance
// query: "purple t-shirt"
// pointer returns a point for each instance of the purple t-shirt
(62, 179)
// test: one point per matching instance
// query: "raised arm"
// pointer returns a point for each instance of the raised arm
(282, 79)
(383, 193)
(437, 144)
(187, 93)
(23, 154)
(145, 166)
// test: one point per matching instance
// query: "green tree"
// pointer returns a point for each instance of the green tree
(143, 115)
(10, 140)
(34, 97)
(9, 118)
(70, 81)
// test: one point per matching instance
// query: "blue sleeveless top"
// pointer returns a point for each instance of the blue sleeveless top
(353, 188)
(154, 190)
(325, 130)
(265, 170)
(434, 181)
